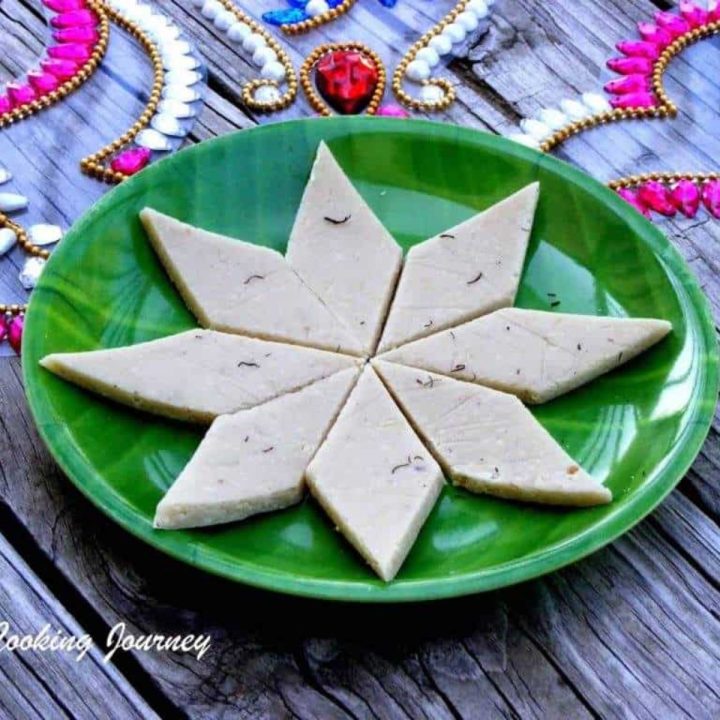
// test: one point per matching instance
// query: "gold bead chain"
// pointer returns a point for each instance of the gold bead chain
(448, 90)
(248, 91)
(306, 70)
(94, 165)
(322, 19)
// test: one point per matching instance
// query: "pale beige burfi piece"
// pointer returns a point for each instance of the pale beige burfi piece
(488, 441)
(533, 354)
(374, 477)
(464, 272)
(198, 374)
(243, 288)
(254, 461)
(343, 252)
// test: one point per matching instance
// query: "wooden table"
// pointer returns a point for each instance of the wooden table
(630, 632)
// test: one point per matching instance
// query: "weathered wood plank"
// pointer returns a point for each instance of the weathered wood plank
(53, 684)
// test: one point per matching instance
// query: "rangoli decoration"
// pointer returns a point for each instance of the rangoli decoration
(638, 94)
(80, 34)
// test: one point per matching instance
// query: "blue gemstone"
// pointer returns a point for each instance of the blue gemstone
(298, 3)
(388, 3)
(285, 17)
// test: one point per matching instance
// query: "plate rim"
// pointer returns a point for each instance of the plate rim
(612, 526)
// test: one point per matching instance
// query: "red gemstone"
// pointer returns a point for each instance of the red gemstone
(628, 84)
(674, 24)
(711, 197)
(654, 34)
(62, 6)
(82, 34)
(61, 69)
(3, 328)
(43, 82)
(20, 94)
(685, 196)
(631, 197)
(634, 100)
(5, 104)
(347, 80)
(15, 333)
(131, 161)
(639, 48)
(695, 16)
(656, 196)
(74, 18)
(70, 51)
(631, 65)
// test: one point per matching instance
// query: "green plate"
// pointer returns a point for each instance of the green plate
(638, 429)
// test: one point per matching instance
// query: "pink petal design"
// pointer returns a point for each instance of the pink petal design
(674, 24)
(82, 34)
(61, 69)
(131, 161)
(74, 18)
(695, 16)
(20, 94)
(634, 100)
(639, 48)
(5, 104)
(631, 197)
(15, 333)
(654, 34)
(3, 328)
(392, 111)
(70, 51)
(43, 82)
(656, 196)
(631, 65)
(714, 14)
(628, 84)
(685, 196)
(61, 6)
(711, 197)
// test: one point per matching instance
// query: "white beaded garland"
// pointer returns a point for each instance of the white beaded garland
(442, 44)
(238, 32)
(574, 109)
(224, 20)
(253, 41)
(468, 20)
(273, 70)
(316, 7)
(210, 9)
(535, 128)
(553, 118)
(523, 139)
(455, 32)
(263, 55)
(428, 55)
(479, 7)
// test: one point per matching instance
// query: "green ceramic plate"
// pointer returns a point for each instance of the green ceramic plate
(638, 428)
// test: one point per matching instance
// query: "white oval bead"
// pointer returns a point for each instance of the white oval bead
(238, 32)
(479, 7)
(418, 70)
(431, 93)
(12, 201)
(553, 118)
(273, 70)
(441, 44)
(182, 77)
(467, 20)
(180, 92)
(168, 125)
(574, 109)
(5, 175)
(176, 108)
(180, 62)
(429, 56)
(316, 7)
(455, 32)
(224, 20)
(263, 55)
(153, 140)
(176, 47)
(597, 103)
(8, 238)
(253, 41)
(523, 139)
(45, 234)
(535, 128)
(210, 9)
(267, 94)
(30, 273)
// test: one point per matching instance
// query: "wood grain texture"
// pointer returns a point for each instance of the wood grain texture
(630, 632)
(53, 684)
